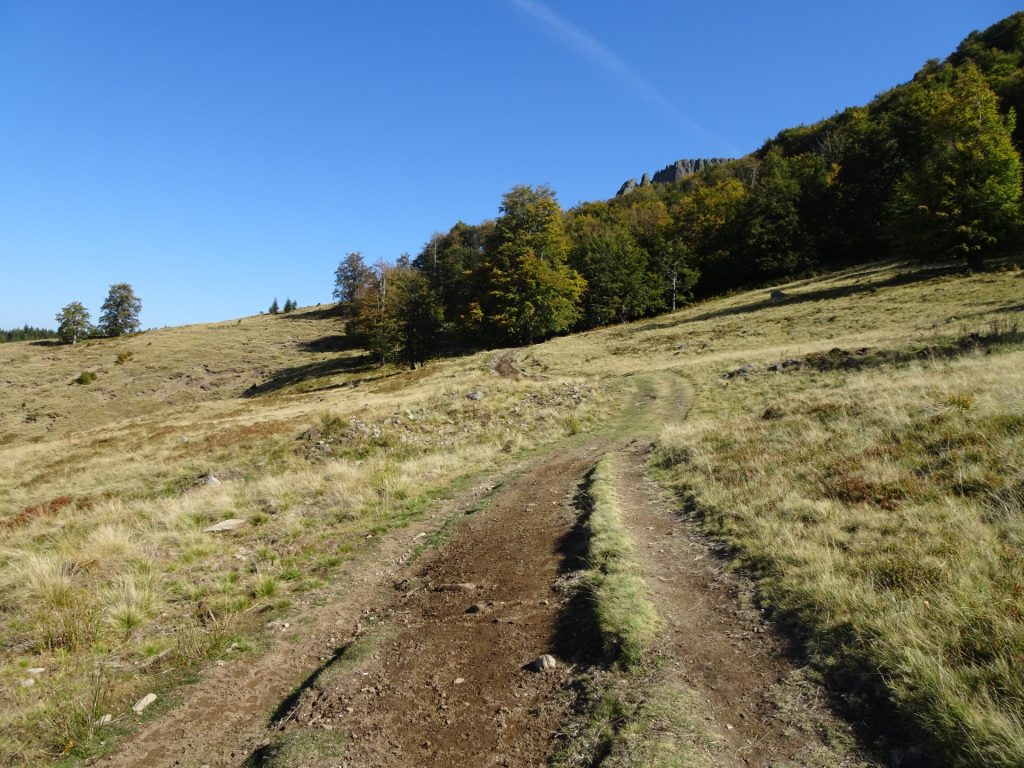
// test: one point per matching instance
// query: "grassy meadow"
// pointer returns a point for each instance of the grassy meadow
(875, 489)
(107, 578)
(859, 445)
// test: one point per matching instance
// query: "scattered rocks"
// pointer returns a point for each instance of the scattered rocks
(742, 372)
(225, 525)
(36, 670)
(141, 704)
(785, 365)
(543, 663)
(209, 479)
(476, 394)
(458, 681)
(28, 682)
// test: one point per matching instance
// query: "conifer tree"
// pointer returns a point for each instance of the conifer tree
(274, 308)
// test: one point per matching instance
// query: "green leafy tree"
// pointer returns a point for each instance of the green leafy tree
(73, 323)
(620, 285)
(706, 222)
(421, 315)
(774, 241)
(676, 262)
(349, 278)
(529, 291)
(120, 311)
(962, 197)
(397, 315)
(451, 263)
(374, 318)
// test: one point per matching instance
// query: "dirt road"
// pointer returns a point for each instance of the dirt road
(427, 664)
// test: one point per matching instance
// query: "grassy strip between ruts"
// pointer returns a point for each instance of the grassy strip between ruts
(633, 719)
(626, 617)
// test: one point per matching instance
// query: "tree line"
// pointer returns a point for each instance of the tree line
(930, 171)
(26, 333)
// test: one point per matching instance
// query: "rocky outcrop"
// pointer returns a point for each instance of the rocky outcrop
(672, 173)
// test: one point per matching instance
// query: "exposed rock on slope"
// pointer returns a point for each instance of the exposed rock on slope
(671, 173)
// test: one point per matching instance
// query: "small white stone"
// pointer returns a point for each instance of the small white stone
(225, 525)
(36, 670)
(28, 682)
(459, 681)
(144, 702)
(543, 663)
(107, 718)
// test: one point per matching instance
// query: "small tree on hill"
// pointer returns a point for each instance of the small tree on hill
(120, 311)
(349, 278)
(289, 306)
(73, 323)
(274, 308)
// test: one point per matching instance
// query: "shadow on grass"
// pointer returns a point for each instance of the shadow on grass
(321, 312)
(854, 685)
(337, 343)
(920, 275)
(288, 377)
(577, 634)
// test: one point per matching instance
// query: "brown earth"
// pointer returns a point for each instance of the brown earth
(222, 718)
(452, 687)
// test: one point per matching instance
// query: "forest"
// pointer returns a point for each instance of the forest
(928, 171)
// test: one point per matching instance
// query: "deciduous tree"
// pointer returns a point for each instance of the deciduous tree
(120, 311)
(349, 278)
(73, 323)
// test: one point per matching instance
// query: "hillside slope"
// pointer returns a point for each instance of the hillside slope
(855, 443)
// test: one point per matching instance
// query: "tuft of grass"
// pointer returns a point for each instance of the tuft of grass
(86, 377)
(626, 617)
(299, 748)
(640, 727)
(573, 425)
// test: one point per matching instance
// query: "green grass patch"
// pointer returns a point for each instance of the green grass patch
(636, 726)
(626, 617)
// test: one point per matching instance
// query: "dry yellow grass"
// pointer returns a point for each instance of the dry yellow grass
(104, 559)
(831, 496)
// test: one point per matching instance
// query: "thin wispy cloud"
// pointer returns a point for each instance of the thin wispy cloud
(588, 47)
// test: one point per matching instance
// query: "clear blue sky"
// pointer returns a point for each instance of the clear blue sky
(218, 154)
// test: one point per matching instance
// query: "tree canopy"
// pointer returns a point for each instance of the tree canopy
(120, 311)
(73, 323)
